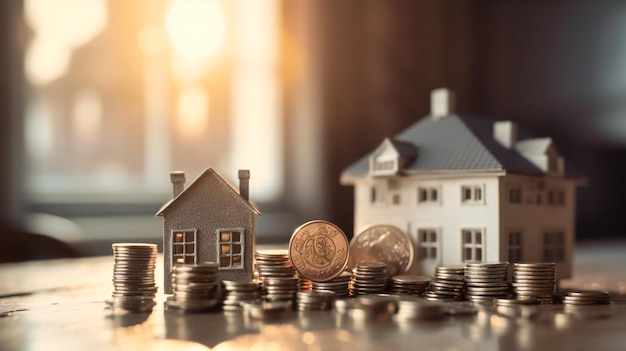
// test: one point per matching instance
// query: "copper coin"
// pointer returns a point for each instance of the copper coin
(319, 250)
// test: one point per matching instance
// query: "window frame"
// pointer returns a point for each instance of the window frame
(473, 194)
(515, 194)
(473, 245)
(431, 195)
(231, 244)
(174, 244)
(553, 246)
(515, 247)
(425, 247)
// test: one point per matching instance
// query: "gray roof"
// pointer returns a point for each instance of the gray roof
(227, 186)
(453, 143)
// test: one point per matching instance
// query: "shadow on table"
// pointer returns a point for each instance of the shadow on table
(20, 246)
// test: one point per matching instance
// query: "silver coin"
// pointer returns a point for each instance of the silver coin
(382, 243)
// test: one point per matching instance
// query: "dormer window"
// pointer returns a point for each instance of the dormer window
(384, 165)
(391, 157)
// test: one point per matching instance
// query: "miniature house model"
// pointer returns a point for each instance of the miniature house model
(468, 189)
(209, 221)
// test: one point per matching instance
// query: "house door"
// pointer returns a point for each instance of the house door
(429, 250)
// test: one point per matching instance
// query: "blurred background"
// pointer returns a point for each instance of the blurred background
(101, 99)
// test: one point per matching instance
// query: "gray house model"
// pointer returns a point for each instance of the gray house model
(468, 189)
(209, 221)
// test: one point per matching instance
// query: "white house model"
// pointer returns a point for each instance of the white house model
(468, 189)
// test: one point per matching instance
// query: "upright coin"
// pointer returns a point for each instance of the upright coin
(382, 243)
(319, 250)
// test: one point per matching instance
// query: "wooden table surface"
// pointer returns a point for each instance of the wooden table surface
(60, 305)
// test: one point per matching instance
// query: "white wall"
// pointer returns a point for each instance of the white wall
(536, 218)
(449, 215)
(495, 215)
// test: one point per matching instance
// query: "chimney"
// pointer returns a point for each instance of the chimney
(244, 183)
(505, 132)
(178, 182)
(442, 102)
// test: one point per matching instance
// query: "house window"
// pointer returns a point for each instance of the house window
(556, 197)
(184, 246)
(376, 193)
(396, 199)
(515, 246)
(560, 198)
(428, 243)
(551, 198)
(473, 244)
(554, 246)
(427, 195)
(515, 194)
(472, 194)
(230, 248)
(384, 165)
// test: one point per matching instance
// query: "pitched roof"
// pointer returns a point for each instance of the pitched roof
(453, 143)
(209, 172)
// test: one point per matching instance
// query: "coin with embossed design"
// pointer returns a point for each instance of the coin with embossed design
(319, 250)
(382, 243)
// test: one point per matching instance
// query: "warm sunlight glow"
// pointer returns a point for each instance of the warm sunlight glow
(256, 98)
(193, 111)
(152, 40)
(195, 27)
(87, 117)
(59, 26)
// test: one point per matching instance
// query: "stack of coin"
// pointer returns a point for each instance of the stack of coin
(315, 300)
(368, 278)
(409, 284)
(195, 287)
(412, 308)
(382, 243)
(535, 281)
(448, 284)
(516, 308)
(273, 263)
(585, 297)
(618, 297)
(134, 286)
(338, 285)
(304, 284)
(268, 310)
(486, 281)
(280, 288)
(237, 292)
(371, 306)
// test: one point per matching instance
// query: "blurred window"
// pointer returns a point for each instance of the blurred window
(123, 92)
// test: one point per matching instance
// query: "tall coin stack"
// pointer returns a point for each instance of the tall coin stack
(409, 284)
(486, 281)
(368, 278)
(273, 263)
(280, 288)
(134, 286)
(304, 284)
(535, 281)
(338, 285)
(448, 285)
(315, 300)
(235, 293)
(195, 287)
